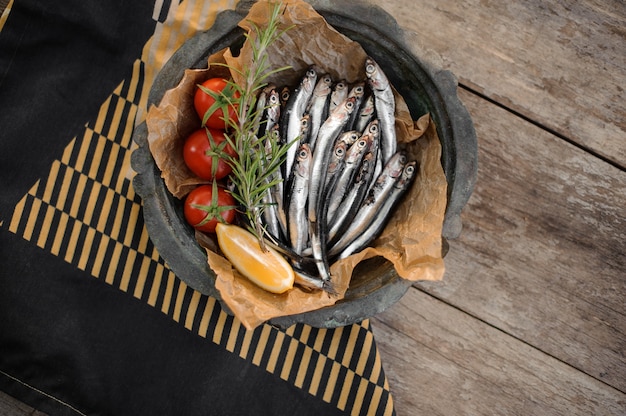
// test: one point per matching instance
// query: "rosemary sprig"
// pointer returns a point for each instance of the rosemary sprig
(258, 158)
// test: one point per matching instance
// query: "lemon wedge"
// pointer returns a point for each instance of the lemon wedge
(267, 269)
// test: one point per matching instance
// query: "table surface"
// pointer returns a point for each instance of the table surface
(529, 318)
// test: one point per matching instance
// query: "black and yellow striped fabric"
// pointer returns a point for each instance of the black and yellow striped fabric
(82, 209)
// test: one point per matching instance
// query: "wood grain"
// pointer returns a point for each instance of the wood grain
(561, 64)
(541, 262)
(441, 361)
(9, 406)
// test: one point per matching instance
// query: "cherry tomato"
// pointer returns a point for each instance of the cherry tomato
(213, 100)
(203, 148)
(207, 205)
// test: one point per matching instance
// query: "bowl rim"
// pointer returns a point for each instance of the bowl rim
(179, 248)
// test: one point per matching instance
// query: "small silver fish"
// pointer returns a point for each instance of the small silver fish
(308, 281)
(318, 106)
(385, 105)
(329, 131)
(272, 110)
(353, 159)
(372, 203)
(353, 199)
(292, 116)
(358, 92)
(384, 212)
(337, 160)
(338, 94)
(297, 219)
(349, 137)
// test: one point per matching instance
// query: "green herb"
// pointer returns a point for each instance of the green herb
(255, 164)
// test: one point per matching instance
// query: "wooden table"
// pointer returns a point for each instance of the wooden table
(529, 318)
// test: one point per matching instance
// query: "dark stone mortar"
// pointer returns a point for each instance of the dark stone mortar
(375, 285)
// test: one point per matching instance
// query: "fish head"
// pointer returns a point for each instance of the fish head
(340, 85)
(303, 160)
(358, 149)
(396, 164)
(376, 78)
(373, 128)
(310, 79)
(338, 156)
(349, 104)
(408, 173)
(324, 85)
(358, 90)
(349, 137)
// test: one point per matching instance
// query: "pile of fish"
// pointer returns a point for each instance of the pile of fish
(343, 174)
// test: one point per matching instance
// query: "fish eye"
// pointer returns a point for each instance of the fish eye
(362, 143)
(350, 104)
(339, 151)
(328, 79)
(285, 95)
(410, 169)
(302, 154)
(359, 89)
(370, 68)
(311, 72)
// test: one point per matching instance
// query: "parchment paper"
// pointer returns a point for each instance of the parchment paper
(412, 239)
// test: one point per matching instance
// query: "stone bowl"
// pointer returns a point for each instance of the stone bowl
(375, 284)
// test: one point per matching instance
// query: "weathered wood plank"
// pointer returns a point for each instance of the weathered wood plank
(561, 64)
(12, 407)
(542, 255)
(441, 361)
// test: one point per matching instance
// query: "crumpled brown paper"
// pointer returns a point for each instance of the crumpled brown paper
(412, 239)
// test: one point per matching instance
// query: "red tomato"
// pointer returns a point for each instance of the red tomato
(207, 205)
(213, 100)
(204, 147)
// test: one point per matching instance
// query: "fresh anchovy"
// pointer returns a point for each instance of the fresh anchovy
(318, 106)
(271, 115)
(318, 233)
(274, 212)
(308, 281)
(270, 214)
(365, 114)
(329, 131)
(337, 160)
(352, 201)
(376, 196)
(297, 221)
(338, 95)
(384, 212)
(357, 91)
(363, 181)
(373, 128)
(318, 192)
(278, 190)
(292, 116)
(385, 105)
(353, 159)
(305, 130)
(349, 137)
